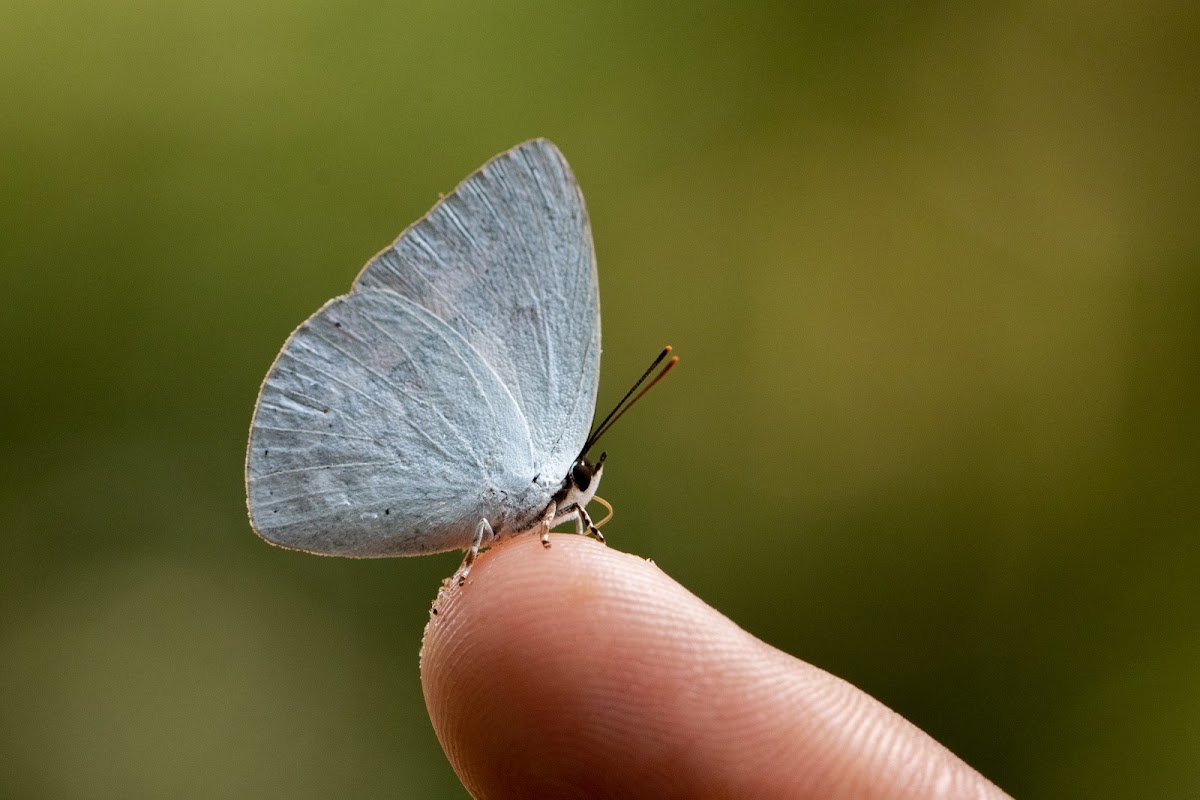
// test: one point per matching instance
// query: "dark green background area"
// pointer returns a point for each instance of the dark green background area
(933, 273)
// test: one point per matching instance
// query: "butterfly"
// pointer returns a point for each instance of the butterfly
(445, 402)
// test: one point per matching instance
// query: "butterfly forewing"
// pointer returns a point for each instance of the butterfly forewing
(507, 261)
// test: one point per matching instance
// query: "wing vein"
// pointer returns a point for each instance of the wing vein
(323, 467)
(404, 393)
(314, 432)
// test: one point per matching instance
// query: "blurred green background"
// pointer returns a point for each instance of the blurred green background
(932, 271)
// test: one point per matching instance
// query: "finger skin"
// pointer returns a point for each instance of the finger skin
(581, 671)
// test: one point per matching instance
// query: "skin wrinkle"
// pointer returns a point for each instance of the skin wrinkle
(904, 752)
(583, 671)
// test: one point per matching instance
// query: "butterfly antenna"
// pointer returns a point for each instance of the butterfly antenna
(621, 407)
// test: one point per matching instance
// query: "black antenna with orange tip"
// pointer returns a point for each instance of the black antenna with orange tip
(621, 407)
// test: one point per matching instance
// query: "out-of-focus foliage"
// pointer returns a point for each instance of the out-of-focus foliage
(933, 274)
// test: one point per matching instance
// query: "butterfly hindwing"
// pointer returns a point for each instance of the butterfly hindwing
(380, 431)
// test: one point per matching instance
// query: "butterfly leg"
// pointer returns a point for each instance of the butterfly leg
(482, 531)
(547, 521)
(584, 519)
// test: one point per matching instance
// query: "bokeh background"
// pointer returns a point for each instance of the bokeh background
(932, 271)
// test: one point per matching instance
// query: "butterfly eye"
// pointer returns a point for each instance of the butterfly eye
(581, 474)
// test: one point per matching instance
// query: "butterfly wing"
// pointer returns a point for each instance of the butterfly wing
(380, 431)
(507, 261)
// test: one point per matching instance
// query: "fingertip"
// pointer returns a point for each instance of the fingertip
(580, 670)
(521, 665)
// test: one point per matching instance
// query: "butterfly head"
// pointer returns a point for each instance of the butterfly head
(584, 476)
